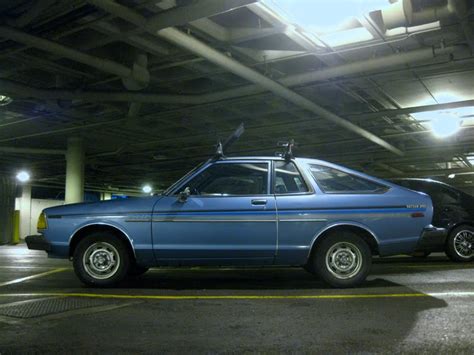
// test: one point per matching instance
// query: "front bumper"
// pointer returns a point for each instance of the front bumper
(37, 242)
(432, 239)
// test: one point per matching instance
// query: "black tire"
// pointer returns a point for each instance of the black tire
(137, 270)
(460, 244)
(309, 267)
(349, 248)
(111, 255)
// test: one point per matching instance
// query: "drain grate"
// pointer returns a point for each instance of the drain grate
(47, 306)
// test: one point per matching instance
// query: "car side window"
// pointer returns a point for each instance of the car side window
(231, 179)
(288, 179)
(336, 181)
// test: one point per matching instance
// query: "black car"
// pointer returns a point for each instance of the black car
(453, 210)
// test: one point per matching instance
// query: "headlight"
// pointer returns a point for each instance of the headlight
(42, 223)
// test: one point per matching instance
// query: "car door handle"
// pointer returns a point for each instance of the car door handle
(259, 202)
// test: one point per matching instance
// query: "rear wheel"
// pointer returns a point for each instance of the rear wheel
(342, 259)
(460, 244)
(101, 259)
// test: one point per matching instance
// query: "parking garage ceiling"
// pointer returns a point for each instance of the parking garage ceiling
(152, 85)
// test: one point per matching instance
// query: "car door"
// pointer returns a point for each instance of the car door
(297, 226)
(229, 217)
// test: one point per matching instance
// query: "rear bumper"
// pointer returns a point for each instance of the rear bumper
(37, 242)
(432, 239)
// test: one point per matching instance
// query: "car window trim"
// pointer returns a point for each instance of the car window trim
(303, 176)
(243, 161)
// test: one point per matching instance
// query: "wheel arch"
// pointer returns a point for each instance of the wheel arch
(83, 231)
(365, 233)
(460, 224)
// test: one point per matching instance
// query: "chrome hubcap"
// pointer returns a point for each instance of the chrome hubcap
(344, 260)
(101, 260)
(464, 243)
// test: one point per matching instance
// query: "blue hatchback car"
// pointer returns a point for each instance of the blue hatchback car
(244, 211)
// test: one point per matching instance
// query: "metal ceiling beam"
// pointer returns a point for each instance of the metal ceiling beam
(415, 109)
(182, 15)
(11, 87)
(193, 45)
(18, 150)
(102, 64)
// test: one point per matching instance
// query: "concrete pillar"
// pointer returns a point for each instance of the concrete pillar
(105, 195)
(25, 211)
(7, 208)
(75, 170)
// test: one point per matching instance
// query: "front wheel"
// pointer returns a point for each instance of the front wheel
(343, 260)
(101, 259)
(460, 244)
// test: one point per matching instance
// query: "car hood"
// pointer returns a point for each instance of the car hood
(136, 204)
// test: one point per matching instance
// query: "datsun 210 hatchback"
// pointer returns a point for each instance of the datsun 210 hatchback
(244, 211)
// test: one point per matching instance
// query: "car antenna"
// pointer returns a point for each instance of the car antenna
(288, 153)
(221, 147)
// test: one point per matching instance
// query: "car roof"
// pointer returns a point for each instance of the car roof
(307, 160)
(431, 181)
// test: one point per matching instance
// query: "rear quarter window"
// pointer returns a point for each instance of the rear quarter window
(334, 181)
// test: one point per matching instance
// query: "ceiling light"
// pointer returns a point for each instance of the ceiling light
(445, 125)
(147, 189)
(447, 122)
(451, 176)
(23, 176)
(5, 100)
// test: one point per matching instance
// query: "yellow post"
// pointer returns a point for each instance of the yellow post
(16, 227)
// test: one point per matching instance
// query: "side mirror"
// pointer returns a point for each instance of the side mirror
(183, 195)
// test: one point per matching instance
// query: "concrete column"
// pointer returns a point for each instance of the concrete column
(75, 170)
(25, 211)
(7, 208)
(105, 195)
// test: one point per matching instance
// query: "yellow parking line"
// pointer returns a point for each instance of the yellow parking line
(22, 279)
(215, 297)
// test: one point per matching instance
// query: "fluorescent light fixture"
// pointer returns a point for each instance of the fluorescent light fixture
(451, 176)
(341, 38)
(147, 189)
(23, 176)
(5, 100)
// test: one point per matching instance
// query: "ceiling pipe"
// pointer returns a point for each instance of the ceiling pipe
(11, 87)
(201, 49)
(402, 14)
(362, 66)
(17, 150)
(137, 73)
(358, 67)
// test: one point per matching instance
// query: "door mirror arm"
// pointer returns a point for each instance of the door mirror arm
(183, 195)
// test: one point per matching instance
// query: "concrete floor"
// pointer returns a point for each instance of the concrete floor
(407, 305)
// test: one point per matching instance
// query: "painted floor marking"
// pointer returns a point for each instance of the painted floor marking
(239, 297)
(27, 278)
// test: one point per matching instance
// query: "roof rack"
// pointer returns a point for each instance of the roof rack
(221, 147)
(288, 153)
